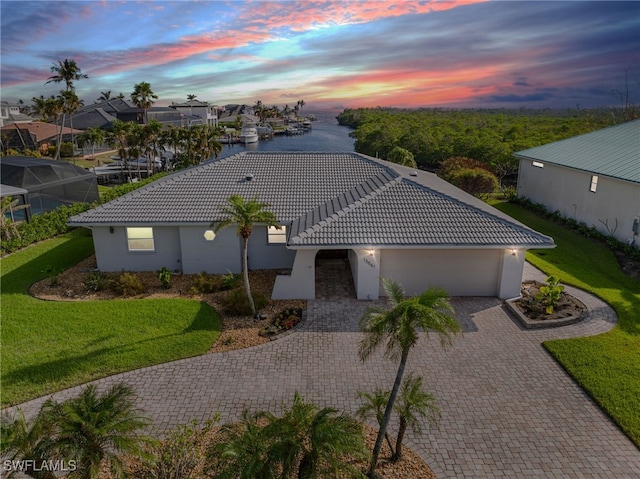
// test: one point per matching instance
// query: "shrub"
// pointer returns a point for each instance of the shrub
(179, 455)
(230, 281)
(237, 303)
(550, 293)
(96, 281)
(128, 284)
(164, 275)
(205, 283)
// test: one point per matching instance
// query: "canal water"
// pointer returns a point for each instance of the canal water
(325, 135)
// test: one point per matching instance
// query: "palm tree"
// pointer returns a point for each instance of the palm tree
(105, 95)
(71, 103)
(375, 404)
(245, 214)
(143, 97)
(190, 98)
(412, 405)
(151, 135)
(306, 442)
(66, 71)
(32, 443)
(312, 442)
(93, 136)
(243, 451)
(398, 326)
(93, 429)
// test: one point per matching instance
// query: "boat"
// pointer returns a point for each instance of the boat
(249, 134)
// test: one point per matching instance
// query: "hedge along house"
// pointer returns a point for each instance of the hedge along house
(390, 221)
(593, 178)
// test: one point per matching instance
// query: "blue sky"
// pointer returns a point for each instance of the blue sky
(458, 53)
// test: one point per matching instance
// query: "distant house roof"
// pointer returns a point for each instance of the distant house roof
(189, 103)
(613, 151)
(41, 130)
(99, 114)
(328, 199)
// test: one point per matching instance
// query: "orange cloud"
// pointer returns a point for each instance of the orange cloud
(409, 88)
(301, 16)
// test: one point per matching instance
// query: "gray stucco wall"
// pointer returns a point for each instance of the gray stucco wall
(185, 248)
(567, 190)
(112, 252)
(263, 255)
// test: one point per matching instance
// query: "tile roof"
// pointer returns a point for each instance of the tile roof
(328, 198)
(613, 151)
(404, 213)
(42, 131)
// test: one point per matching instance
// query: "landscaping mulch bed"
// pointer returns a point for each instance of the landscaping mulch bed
(237, 331)
(410, 467)
(568, 306)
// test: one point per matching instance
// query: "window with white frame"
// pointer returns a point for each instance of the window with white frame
(277, 236)
(140, 239)
(594, 183)
(537, 164)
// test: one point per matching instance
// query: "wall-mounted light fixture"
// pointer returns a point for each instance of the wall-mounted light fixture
(111, 229)
(209, 235)
(513, 251)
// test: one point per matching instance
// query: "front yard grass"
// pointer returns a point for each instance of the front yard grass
(48, 346)
(607, 366)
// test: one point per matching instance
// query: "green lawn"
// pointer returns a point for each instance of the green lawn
(607, 366)
(48, 346)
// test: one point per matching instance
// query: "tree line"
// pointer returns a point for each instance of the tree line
(487, 136)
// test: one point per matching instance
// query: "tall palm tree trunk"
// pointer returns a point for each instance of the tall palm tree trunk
(245, 273)
(59, 145)
(387, 415)
(397, 455)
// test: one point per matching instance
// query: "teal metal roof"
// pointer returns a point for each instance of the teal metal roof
(613, 151)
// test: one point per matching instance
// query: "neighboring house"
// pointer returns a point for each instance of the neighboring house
(592, 178)
(162, 114)
(47, 184)
(99, 114)
(197, 112)
(388, 220)
(35, 135)
(10, 113)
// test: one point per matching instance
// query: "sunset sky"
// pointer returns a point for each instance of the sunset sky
(331, 54)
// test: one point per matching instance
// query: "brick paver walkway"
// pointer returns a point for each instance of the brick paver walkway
(508, 409)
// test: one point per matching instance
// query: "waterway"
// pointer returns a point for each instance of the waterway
(325, 135)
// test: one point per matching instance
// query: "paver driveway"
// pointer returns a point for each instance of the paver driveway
(508, 410)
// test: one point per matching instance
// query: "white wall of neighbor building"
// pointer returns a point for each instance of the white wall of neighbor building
(112, 252)
(460, 272)
(568, 191)
(301, 283)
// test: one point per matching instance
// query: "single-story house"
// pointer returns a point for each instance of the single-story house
(35, 135)
(389, 220)
(593, 178)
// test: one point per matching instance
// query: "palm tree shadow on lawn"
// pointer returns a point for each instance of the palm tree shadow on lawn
(58, 372)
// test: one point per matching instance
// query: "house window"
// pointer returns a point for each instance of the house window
(594, 183)
(277, 236)
(537, 164)
(140, 239)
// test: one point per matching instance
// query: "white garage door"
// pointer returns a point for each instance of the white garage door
(460, 272)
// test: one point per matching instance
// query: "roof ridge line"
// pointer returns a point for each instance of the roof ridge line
(354, 205)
